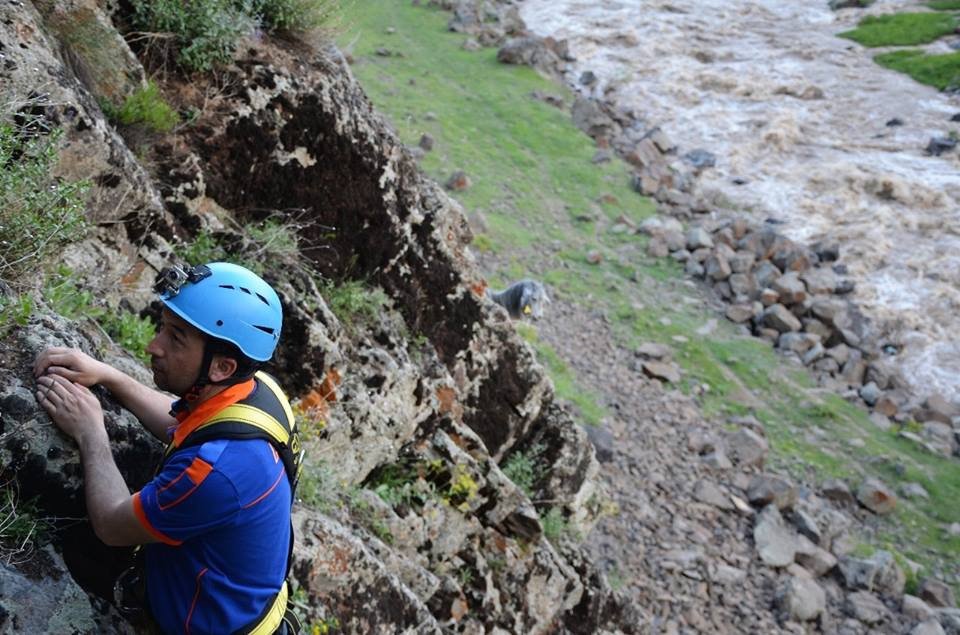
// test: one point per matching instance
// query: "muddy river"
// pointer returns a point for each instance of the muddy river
(800, 118)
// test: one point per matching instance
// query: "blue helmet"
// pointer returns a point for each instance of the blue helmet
(226, 302)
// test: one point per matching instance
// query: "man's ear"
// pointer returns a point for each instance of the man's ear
(222, 367)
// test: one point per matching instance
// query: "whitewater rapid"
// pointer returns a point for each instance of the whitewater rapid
(801, 116)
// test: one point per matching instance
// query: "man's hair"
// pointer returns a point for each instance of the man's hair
(246, 367)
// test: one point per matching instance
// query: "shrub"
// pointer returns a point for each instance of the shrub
(38, 213)
(145, 106)
(296, 15)
(523, 468)
(353, 302)
(21, 526)
(206, 32)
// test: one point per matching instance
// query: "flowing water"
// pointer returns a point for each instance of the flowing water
(801, 116)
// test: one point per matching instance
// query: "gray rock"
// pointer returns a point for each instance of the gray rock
(880, 572)
(940, 437)
(801, 599)
(807, 525)
(653, 350)
(949, 619)
(816, 560)
(747, 448)
(712, 494)
(870, 393)
(699, 238)
(766, 489)
(914, 490)
(836, 490)
(929, 627)
(936, 594)
(662, 371)
(876, 496)
(780, 318)
(739, 313)
(790, 287)
(915, 608)
(798, 343)
(775, 542)
(866, 607)
(820, 280)
(742, 261)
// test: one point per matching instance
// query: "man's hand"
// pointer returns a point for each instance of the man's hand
(72, 364)
(72, 407)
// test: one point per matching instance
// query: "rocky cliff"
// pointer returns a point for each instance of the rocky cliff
(421, 401)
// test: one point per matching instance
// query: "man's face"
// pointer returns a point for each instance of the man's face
(176, 353)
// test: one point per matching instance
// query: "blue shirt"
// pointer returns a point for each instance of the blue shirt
(222, 514)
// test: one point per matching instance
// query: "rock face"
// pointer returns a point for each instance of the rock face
(471, 550)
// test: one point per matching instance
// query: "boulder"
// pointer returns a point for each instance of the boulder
(780, 318)
(879, 572)
(766, 489)
(866, 607)
(775, 542)
(928, 627)
(876, 496)
(801, 599)
(936, 594)
(790, 287)
(747, 448)
(837, 490)
(940, 437)
(915, 608)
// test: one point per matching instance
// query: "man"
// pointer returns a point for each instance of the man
(216, 518)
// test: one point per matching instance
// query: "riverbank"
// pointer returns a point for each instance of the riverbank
(562, 221)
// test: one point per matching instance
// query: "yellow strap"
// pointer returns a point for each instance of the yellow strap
(252, 416)
(282, 398)
(271, 621)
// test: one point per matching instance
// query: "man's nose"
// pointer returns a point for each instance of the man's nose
(153, 348)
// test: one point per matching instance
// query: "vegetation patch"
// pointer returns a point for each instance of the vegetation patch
(38, 213)
(22, 528)
(944, 5)
(147, 107)
(901, 29)
(524, 469)
(130, 331)
(203, 34)
(940, 71)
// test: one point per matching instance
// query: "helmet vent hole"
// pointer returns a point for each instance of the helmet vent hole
(265, 329)
(219, 322)
(263, 299)
(227, 286)
(245, 290)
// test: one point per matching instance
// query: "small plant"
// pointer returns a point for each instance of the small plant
(463, 488)
(318, 488)
(128, 330)
(483, 243)
(38, 213)
(147, 107)
(523, 468)
(353, 302)
(404, 483)
(325, 626)
(465, 576)
(202, 249)
(296, 15)
(554, 524)
(21, 527)
(15, 311)
(205, 32)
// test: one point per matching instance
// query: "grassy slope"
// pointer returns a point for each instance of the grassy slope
(901, 29)
(532, 177)
(909, 29)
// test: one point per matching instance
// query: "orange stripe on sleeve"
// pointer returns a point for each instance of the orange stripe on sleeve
(142, 517)
(196, 472)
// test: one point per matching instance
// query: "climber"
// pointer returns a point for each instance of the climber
(526, 298)
(215, 520)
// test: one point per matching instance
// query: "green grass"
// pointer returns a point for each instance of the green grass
(940, 71)
(945, 5)
(533, 177)
(146, 107)
(38, 213)
(901, 29)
